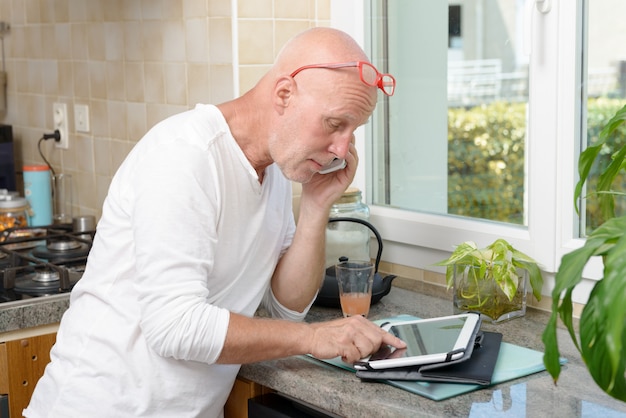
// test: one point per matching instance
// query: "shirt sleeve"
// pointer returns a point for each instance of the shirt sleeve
(277, 310)
(174, 259)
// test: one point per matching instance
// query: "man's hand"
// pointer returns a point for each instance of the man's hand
(324, 189)
(351, 338)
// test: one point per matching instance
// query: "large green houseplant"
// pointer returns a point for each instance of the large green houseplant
(602, 327)
(491, 280)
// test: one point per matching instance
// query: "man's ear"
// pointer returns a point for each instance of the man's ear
(283, 92)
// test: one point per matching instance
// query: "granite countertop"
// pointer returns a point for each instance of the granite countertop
(342, 393)
(33, 312)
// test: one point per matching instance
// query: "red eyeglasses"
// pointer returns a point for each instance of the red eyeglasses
(368, 73)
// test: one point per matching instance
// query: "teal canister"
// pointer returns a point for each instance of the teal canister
(38, 193)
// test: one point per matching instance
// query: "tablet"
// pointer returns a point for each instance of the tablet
(434, 340)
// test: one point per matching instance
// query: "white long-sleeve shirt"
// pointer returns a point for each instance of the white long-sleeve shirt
(187, 234)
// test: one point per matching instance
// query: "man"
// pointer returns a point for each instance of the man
(197, 232)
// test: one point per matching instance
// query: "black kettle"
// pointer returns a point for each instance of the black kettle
(328, 295)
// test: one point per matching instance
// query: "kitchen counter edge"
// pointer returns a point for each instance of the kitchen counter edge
(33, 312)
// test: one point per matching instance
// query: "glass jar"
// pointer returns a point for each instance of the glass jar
(345, 238)
(13, 212)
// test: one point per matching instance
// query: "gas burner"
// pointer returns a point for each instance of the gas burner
(45, 276)
(62, 250)
(42, 282)
(63, 245)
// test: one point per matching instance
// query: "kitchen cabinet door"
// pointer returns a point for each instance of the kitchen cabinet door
(22, 363)
(237, 403)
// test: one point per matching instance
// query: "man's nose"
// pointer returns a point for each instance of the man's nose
(340, 148)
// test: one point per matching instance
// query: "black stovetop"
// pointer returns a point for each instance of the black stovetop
(41, 261)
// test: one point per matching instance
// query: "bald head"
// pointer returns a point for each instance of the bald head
(318, 45)
(303, 120)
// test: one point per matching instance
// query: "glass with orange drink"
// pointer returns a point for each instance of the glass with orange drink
(355, 280)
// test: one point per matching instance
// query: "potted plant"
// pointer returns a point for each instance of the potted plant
(491, 280)
(602, 333)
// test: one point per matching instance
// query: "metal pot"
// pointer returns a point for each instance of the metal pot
(328, 295)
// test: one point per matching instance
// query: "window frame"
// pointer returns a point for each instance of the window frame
(420, 239)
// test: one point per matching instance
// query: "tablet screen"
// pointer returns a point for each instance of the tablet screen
(423, 338)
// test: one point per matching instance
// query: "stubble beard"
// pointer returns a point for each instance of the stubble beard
(289, 165)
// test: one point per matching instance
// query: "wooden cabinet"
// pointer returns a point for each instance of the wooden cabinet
(24, 355)
(237, 403)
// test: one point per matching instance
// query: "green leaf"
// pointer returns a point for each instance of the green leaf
(585, 162)
(551, 354)
(602, 325)
(461, 253)
(567, 315)
(588, 157)
(465, 253)
(600, 243)
(614, 123)
(605, 180)
(534, 275)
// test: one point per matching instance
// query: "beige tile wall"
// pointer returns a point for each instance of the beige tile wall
(133, 62)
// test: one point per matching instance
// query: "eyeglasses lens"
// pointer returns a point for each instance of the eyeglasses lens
(388, 84)
(370, 76)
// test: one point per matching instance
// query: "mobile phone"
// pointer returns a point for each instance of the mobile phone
(336, 164)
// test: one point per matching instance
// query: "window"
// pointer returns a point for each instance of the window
(522, 63)
(464, 97)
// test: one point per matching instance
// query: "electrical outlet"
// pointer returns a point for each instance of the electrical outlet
(59, 114)
(81, 117)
